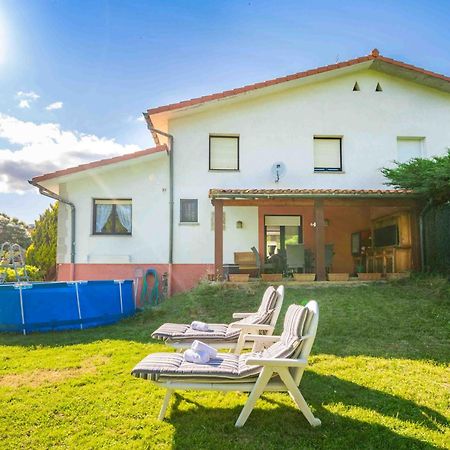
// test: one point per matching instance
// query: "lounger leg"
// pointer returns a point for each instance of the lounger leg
(165, 404)
(239, 344)
(256, 392)
(296, 395)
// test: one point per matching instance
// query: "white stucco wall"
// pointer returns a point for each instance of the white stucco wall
(146, 183)
(281, 127)
(275, 127)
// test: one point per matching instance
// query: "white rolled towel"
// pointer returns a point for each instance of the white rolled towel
(199, 326)
(199, 346)
(196, 357)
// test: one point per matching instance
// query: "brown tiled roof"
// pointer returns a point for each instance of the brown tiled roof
(374, 55)
(100, 163)
(267, 193)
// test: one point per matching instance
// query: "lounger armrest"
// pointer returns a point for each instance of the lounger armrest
(249, 327)
(261, 338)
(241, 315)
(277, 362)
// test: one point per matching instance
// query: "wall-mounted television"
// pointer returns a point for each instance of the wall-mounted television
(386, 236)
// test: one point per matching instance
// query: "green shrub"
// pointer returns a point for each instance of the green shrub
(42, 251)
(33, 272)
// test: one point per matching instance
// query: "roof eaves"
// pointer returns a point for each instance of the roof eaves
(99, 163)
(374, 55)
(308, 193)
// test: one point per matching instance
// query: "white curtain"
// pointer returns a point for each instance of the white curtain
(124, 214)
(102, 215)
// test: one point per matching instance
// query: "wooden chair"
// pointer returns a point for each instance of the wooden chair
(262, 266)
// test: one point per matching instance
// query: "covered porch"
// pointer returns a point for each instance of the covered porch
(322, 232)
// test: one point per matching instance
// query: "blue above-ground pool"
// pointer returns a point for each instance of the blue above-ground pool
(28, 307)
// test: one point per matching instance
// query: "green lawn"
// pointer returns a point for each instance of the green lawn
(378, 378)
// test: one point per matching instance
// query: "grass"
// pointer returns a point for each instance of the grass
(378, 378)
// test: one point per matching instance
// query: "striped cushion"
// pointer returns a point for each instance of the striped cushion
(220, 331)
(269, 300)
(183, 331)
(225, 365)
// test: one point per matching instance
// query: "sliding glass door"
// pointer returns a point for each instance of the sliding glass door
(280, 231)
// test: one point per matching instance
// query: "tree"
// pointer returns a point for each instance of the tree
(14, 231)
(430, 177)
(42, 251)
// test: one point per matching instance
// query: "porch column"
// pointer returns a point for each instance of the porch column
(416, 260)
(320, 240)
(218, 238)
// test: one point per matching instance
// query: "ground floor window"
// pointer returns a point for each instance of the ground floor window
(112, 216)
(188, 210)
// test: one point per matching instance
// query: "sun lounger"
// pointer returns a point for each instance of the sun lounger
(227, 335)
(278, 368)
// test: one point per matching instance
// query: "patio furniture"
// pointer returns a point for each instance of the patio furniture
(262, 266)
(295, 257)
(246, 261)
(278, 368)
(226, 336)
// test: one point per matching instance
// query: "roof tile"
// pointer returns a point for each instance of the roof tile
(99, 163)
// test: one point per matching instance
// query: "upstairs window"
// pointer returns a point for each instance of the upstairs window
(223, 153)
(408, 148)
(188, 210)
(327, 154)
(112, 216)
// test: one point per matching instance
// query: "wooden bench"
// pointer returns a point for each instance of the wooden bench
(246, 262)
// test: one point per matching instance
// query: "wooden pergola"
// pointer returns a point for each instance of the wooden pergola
(318, 199)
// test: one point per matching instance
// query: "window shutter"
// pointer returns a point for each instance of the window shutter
(223, 153)
(408, 148)
(290, 221)
(327, 154)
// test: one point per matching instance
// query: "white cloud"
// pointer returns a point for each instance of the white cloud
(54, 105)
(26, 98)
(34, 149)
(24, 104)
(30, 95)
(140, 119)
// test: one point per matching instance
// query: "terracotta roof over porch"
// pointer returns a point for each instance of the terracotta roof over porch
(286, 193)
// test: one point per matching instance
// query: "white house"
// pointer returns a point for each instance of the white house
(290, 161)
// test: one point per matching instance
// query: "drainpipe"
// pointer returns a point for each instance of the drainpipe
(54, 196)
(422, 233)
(154, 132)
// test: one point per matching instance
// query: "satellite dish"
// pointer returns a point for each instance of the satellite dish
(278, 170)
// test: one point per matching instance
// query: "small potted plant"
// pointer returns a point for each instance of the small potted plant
(337, 276)
(304, 277)
(239, 277)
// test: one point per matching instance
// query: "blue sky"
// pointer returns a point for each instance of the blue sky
(75, 75)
